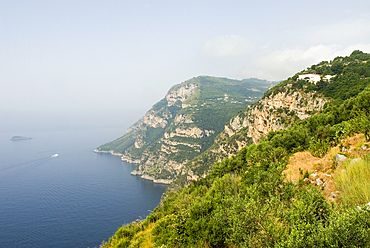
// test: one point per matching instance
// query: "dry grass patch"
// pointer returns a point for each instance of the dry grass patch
(353, 146)
(324, 168)
(318, 168)
(300, 161)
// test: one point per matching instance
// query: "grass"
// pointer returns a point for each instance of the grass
(141, 239)
(353, 182)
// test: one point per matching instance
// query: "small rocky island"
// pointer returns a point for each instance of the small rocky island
(16, 138)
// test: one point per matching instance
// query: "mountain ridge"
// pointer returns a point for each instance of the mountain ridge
(183, 124)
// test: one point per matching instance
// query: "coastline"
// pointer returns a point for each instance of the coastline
(134, 172)
(111, 152)
(123, 157)
(147, 177)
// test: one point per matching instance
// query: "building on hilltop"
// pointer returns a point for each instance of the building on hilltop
(314, 78)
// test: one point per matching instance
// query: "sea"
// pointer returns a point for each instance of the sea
(76, 199)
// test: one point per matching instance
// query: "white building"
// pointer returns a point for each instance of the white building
(312, 78)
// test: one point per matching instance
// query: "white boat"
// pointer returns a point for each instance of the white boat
(55, 155)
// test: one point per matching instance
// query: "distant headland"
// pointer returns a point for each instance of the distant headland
(16, 138)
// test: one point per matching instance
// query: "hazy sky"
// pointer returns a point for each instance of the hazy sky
(103, 58)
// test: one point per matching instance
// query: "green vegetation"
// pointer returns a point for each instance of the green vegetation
(351, 77)
(246, 200)
(349, 82)
(353, 181)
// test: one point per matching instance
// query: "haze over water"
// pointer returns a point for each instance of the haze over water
(77, 199)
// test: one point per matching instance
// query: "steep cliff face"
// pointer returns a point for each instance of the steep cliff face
(273, 112)
(183, 125)
(151, 126)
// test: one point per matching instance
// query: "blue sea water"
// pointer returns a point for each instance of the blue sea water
(77, 199)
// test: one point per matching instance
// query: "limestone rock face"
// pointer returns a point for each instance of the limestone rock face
(276, 112)
(153, 120)
(159, 117)
(271, 113)
(193, 132)
(183, 118)
(183, 125)
(180, 94)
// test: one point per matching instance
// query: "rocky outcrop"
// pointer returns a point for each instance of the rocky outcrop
(180, 93)
(139, 136)
(193, 132)
(278, 110)
(339, 158)
(275, 112)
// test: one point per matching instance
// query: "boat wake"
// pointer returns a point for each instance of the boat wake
(38, 161)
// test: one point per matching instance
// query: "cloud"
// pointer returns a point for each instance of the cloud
(229, 45)
(285, 63)
(346, 32)
(314, 44)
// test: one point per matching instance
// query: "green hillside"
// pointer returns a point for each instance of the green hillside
(350, 75)
(246, 200)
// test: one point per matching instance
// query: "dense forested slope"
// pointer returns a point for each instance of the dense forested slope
(246, 200)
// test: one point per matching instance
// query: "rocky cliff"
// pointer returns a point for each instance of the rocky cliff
(183, 125)
(276, 110)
